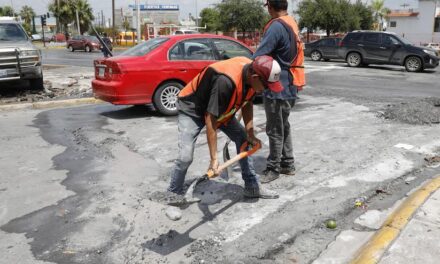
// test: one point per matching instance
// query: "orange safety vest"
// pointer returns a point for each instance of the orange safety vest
(233, 69)
(297, 65)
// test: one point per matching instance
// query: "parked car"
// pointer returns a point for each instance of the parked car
(434, 46)
(156, 70)
(86, 43)
(325, 49)
(19, 58)
(185, 31)
(360, 48)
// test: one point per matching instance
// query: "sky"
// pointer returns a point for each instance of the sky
(186, 6)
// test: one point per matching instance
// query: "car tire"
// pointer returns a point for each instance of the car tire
(88, 49)
(413, 64)
(316, 55)
(354, 59)
(71, 48)
(37, 84)
(165, 98)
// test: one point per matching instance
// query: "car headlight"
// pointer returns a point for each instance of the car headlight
(28, 53)
(430, 52)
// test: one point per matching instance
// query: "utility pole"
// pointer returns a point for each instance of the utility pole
(197, 15)
(102, 19)
(138, 21)
(113, 14)
(77, 21)
(58, 13)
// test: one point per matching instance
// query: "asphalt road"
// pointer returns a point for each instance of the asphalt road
(97, 169)
(62, 56)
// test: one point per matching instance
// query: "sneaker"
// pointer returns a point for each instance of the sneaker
(288, 170)
(269, 175)
(260, 192)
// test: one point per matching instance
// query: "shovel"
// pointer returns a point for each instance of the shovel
(189, 196)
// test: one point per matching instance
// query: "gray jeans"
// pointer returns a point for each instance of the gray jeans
(278, 131)
(189, 130)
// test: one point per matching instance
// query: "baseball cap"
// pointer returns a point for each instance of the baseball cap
(272, 1)
(269, 70)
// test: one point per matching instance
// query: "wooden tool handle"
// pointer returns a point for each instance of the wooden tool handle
(243, 154)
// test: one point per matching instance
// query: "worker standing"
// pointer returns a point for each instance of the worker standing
(211, 99)
(281, 41)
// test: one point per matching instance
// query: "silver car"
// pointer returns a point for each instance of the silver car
(19, 58)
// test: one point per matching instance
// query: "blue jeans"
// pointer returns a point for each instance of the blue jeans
(189, 130)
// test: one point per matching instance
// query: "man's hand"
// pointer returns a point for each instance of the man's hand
(252, 140)
(213, 166)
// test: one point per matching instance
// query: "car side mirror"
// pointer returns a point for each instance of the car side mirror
(398, 45)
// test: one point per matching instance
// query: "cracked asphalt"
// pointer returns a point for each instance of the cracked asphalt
(75, 183)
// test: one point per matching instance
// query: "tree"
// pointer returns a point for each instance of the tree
(210, 18)
(379, 11)
(245, 15)
(334, 15)
(27, 13)
(7, 11)
(65, 11)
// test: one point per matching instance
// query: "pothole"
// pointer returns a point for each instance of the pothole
(422, 112)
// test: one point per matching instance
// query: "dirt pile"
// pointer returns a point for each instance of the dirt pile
(422, 112)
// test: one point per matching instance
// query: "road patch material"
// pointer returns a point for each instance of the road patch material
(51, 104)
(373, 250)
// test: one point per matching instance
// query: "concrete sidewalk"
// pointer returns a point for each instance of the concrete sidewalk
(407, 233)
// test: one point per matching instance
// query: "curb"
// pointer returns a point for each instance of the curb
(51, 104)
(373, 250)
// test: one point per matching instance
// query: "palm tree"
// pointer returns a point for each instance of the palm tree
(379, 12)
(26, 14)
(85, 13)
(65, 11)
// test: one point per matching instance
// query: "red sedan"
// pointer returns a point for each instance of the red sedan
(156, 70)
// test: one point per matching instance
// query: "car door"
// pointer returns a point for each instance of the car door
(392, 49)
(371, 45)
(227, 49)
(327, 47)
(188, 57)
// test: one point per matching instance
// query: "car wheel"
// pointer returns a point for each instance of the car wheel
(37, 84)
(165, 98)
(354, 59)
(316, 55)
(413, 64)
(71, 48)
(88, 49)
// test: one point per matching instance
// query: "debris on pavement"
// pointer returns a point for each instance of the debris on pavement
(433, 161)
(173, 213)
(425, 111)
(331, 224)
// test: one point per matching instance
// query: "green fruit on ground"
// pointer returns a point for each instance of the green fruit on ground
(331, 224)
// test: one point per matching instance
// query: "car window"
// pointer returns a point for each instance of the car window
(178, 32)
(230, 49)
(373, 38)
(144, 48)
(353, 37)
(193, 49)
(12, 32)
(389, 40)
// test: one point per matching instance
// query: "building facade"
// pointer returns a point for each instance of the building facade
(151, 14)
(420, 26)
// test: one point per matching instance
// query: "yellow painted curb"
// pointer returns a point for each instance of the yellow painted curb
(51, 104)
(373, 250)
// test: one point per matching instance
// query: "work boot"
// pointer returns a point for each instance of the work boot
(288, 170)
(260, 192)
(269, 175)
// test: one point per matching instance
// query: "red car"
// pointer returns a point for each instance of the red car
(156, 70)
(86, 43)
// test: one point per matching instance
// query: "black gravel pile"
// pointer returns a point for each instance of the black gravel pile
(422, 112)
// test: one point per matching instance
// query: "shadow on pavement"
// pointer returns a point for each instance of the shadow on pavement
(132, 112)
(210, 193)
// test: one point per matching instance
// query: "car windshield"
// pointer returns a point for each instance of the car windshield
(145, 47)
(12, 32)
